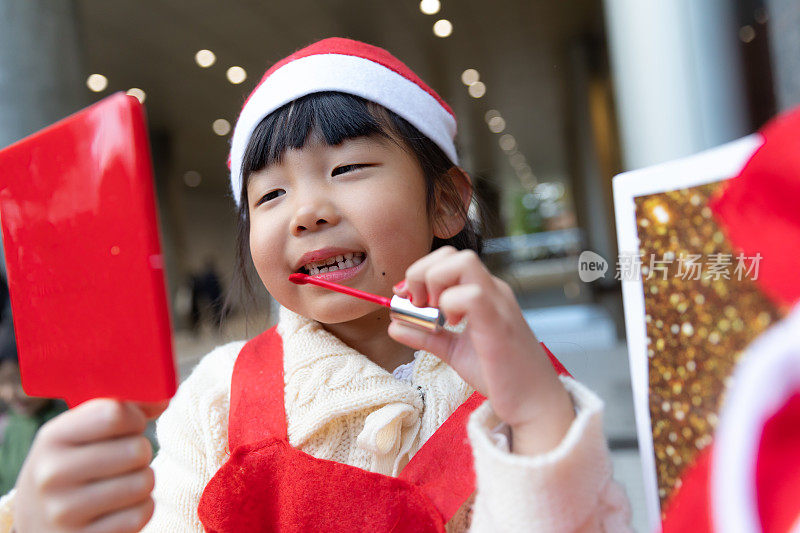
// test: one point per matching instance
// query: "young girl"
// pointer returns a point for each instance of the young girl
(343, 166)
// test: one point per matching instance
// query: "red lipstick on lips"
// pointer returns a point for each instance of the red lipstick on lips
(428, 318)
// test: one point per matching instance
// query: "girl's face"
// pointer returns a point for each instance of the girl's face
(360, 205)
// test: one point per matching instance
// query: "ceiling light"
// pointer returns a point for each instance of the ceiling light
(236, 75)
(747, 34)
(517, 160)
(529, 180)
(507, 142)
(97, 82)
(497, 124)
(221, 126)
(430, 7)
(192, 178)
(491, 114)
(205, 58)
(442, 28)
(138, 93)
(477, 89)
(469, 76)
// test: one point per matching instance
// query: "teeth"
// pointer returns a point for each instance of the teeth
(348, 260)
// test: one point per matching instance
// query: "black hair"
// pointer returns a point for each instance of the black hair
(336, 117)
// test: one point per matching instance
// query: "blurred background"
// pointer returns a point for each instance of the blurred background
(553, 99)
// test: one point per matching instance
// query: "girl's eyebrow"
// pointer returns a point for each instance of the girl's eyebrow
(365, 142)
(261, 175)
(353, 143)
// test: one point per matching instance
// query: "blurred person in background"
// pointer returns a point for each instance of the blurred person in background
(206, 297)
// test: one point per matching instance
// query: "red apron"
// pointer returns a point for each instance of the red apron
(267, 485)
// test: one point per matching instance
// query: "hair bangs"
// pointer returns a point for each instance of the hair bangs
(331, 116)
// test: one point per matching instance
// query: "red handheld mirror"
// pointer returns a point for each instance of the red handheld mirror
(83, 257)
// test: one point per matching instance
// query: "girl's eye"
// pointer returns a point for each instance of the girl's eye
(346, 168)
(271, 195)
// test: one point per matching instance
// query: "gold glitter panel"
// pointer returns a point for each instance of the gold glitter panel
(698, 321)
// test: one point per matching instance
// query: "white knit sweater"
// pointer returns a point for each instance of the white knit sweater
(341, 406)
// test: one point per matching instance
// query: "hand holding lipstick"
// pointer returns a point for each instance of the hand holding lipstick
(497, 353)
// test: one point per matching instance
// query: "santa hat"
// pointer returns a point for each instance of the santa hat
(755, 466)
(749, 480)
(351, 67)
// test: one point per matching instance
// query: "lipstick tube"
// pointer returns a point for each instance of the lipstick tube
(428, 318)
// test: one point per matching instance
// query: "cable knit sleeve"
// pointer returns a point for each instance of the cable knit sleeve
(568, 489)
(193, 438)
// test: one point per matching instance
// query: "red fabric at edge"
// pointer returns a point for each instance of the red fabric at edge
(688, 508)
(778, 469)
(760, 209)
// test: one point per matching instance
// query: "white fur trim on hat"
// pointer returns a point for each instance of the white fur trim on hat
(348, 74)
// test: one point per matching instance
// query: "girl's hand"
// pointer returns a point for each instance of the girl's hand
(497, 353)
(88, 470)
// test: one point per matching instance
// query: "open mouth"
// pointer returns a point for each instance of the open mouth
(332, 264)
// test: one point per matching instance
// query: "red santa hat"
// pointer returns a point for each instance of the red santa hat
(755, 467)
(749, 480)
(351, 67)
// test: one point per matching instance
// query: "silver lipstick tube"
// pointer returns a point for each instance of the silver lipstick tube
(427, 318)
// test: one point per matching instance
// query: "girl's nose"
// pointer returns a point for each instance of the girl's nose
(313, 216)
